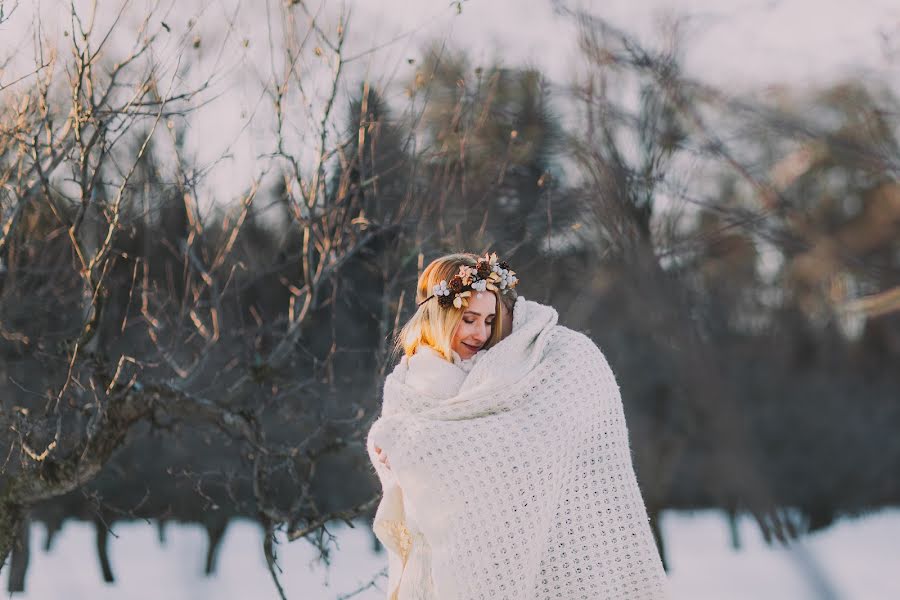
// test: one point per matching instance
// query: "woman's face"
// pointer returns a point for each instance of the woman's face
(474, 329)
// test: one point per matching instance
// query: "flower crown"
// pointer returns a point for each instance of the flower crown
(487, 274)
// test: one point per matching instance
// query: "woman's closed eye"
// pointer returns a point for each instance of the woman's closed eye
(472, 321)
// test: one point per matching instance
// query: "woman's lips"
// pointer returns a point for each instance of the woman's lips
(471, 347)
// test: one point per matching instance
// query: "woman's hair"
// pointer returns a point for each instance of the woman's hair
(433, 325)
(508, 300)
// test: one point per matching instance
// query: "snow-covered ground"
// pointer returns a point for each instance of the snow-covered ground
(859, 558)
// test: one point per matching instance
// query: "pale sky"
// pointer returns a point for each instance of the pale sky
(739, 45)
(731, 42)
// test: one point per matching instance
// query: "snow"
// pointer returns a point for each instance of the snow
(857, 558)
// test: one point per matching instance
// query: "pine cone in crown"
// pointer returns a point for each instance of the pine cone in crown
(456, 284)
(503, 265)
(484, 269)
(446, 301)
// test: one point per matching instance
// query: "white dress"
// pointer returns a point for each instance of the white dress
(396, 523)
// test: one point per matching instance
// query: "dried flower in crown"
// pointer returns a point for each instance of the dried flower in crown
(487, 274)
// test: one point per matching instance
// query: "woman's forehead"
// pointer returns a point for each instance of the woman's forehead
(482, 303)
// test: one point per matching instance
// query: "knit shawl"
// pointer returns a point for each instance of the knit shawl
(522, 481)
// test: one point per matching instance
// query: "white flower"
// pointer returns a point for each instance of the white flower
(506, 279)
(441, 288)
(480, 285)
(499, 270)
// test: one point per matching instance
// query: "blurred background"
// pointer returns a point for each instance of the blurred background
(213, 217)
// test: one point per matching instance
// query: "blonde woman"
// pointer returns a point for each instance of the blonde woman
(439, 347)
(503, 453)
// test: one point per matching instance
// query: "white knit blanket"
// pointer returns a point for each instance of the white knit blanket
(522, 481)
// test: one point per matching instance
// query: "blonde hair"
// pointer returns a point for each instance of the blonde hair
(433, 325)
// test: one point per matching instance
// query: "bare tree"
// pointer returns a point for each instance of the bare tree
(125, 307)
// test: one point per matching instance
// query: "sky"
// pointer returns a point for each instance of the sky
(729, 43)
(739, 45)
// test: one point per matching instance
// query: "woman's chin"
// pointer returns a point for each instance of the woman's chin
(465, 352)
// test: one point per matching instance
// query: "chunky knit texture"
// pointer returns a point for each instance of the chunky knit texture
(430, 375)
(522, 481)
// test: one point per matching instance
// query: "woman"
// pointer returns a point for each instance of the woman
(504, 458)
